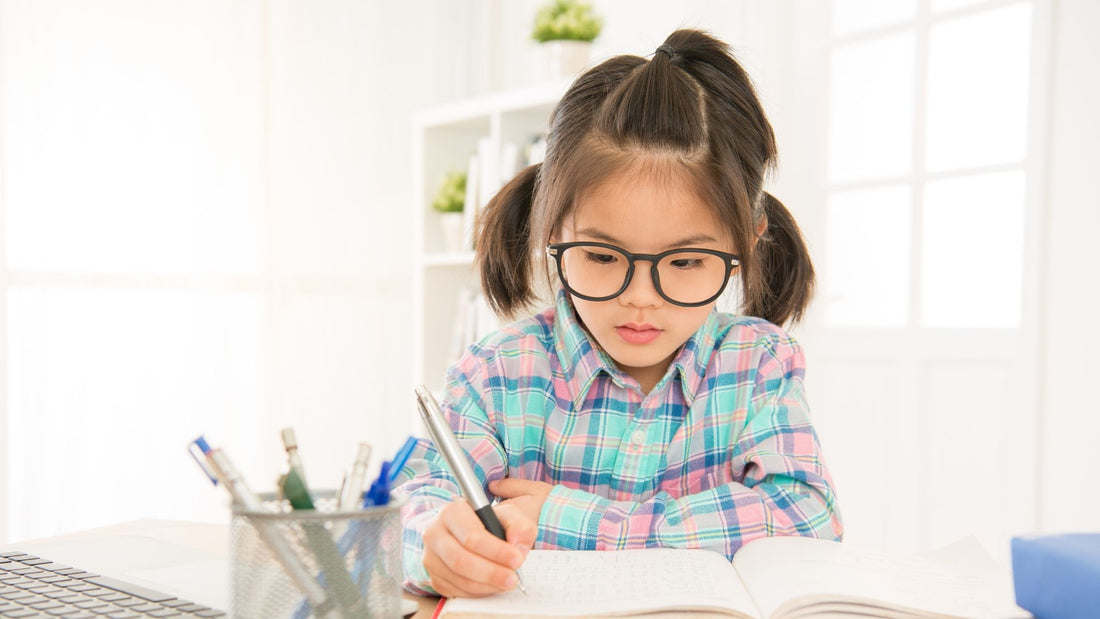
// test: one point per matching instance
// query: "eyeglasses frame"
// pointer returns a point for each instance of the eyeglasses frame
(556, 250)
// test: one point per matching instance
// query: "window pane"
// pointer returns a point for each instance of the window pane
(111, 386)
(128, 146)
(855, 15)
(871, 109)
(973, 251)
(978, 89)
(867, 259)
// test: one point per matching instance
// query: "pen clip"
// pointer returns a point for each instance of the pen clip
(199, 450)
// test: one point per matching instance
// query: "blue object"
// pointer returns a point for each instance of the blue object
(1057, 576)
(400, 459)
(379, 492)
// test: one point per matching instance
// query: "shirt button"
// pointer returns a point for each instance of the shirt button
(638, 438)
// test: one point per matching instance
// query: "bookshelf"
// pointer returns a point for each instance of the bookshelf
(496, 130)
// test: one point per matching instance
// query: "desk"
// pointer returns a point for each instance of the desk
(187, 559)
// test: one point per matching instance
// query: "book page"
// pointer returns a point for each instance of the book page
(586, 583)
(780, 569)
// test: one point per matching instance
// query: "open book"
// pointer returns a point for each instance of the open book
(770, 578)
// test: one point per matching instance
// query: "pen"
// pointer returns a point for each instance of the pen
(224, 471)
(401, 458)
(324, 549)
(290, 442)
(468, 482)
(356, 479)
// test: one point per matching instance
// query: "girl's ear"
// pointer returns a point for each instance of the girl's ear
(761, 227)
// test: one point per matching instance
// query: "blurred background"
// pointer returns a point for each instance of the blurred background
(213, 221)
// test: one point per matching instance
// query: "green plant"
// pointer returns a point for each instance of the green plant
(571, 20)
(452, 193)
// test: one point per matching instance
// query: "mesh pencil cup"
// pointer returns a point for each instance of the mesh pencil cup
(315, 563)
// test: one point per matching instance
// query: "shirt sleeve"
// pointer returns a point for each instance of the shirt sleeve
(432, 485)
(781, 486)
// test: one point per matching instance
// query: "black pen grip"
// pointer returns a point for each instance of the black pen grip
(489, 519)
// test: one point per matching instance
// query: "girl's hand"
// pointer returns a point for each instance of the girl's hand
(465, 560)
(522, 495)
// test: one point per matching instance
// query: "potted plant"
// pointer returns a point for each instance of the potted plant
(449, 202)
(565, 30)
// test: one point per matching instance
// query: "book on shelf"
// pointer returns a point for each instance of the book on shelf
(474, 319)
(769, 578)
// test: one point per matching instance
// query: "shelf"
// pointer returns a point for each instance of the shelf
(449, 313)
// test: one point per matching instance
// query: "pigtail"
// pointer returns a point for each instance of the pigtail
(786, 272)
(504, 245)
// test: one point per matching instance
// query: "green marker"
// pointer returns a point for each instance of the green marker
(328, 556)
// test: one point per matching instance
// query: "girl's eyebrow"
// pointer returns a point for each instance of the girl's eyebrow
(684, 242)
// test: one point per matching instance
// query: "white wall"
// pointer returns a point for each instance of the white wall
(1070, 431)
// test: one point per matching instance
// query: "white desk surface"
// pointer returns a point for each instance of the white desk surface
(185, 559)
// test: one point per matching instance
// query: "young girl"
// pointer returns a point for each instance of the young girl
(632, 414)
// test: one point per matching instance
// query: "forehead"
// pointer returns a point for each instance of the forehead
(646, 206)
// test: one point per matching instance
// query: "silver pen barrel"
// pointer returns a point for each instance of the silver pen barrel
(447, 444)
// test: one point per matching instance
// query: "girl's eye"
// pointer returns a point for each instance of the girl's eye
(592, 256)
(687, 263)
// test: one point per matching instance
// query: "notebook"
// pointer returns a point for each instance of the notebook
(776, 577)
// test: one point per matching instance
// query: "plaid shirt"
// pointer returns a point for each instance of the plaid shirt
(719, 453)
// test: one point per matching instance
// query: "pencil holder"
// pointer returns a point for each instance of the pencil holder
(315, 563)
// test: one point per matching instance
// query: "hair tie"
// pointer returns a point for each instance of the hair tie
(666, 48)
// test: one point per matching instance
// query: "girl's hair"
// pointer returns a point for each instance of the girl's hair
(690, 108)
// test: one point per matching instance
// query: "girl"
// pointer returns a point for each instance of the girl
(632, 414)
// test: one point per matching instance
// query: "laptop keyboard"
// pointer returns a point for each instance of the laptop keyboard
(31, 586)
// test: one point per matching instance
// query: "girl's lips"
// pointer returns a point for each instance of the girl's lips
(643, 335)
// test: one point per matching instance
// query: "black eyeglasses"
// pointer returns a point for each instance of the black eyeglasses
(686, 277)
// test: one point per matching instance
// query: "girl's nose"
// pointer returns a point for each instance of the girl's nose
(641, 290)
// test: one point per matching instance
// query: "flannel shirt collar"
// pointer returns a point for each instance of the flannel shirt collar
(582, 360)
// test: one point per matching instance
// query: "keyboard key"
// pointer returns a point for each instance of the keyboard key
(165, 612)
(84, 587)
(132, 589)
(53, 567)
(113, 597)
(69, 571)
(19, 613)
(64, 611)
(175, 603)
(24, 570)
(125, 614)
(36, 561)
(193, 608)
(210, 613)
(146, 607)
(92, 604)
(18, 594)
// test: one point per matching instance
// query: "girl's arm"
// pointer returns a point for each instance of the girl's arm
(783, 487)
(432, 486)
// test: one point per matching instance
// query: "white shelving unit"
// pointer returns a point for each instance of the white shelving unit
(445, 139)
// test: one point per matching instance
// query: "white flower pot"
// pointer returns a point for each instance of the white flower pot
(564, 59)
(450, 226)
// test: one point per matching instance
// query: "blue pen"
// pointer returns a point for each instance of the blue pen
(401, 457)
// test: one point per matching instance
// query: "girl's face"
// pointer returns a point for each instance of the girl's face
(646, 214)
